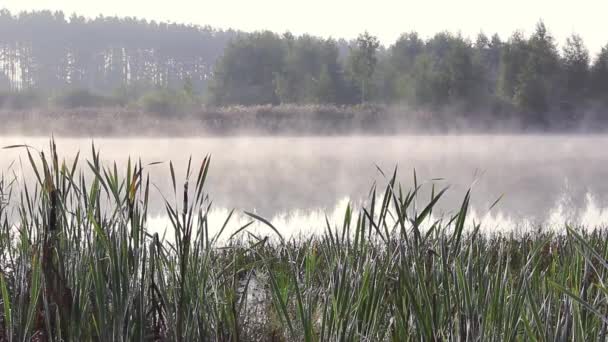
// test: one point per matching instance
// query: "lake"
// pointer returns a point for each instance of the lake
(295, 181)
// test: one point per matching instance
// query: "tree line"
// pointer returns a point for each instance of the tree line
(520, 74)
(523, 74)
(47, 50)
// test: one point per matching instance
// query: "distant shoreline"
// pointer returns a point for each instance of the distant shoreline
(283, 120)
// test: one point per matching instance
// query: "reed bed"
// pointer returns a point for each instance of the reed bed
(78, 263)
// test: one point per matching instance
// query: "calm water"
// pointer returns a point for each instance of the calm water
(543, 179)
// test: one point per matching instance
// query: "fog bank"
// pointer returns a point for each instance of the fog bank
(289, 120)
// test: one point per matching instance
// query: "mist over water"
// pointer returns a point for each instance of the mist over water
(544, 180)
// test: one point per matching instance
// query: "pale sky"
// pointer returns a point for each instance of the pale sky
(346, 18)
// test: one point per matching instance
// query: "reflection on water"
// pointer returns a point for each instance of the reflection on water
(296, 181)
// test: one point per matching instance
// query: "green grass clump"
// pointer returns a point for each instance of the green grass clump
(78, 263)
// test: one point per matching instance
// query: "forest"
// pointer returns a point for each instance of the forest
(49, 59)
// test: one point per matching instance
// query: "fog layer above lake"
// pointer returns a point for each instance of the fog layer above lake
(543, 179)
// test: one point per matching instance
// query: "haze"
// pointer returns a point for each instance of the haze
(346, 19)
(297, 124)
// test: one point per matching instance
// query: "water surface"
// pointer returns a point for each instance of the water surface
(543, 179)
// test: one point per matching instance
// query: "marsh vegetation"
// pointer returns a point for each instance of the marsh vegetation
(78, 262)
